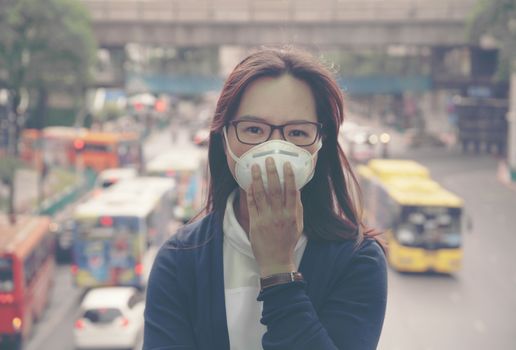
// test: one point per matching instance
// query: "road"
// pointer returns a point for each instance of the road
(473, 309)
(55, 331)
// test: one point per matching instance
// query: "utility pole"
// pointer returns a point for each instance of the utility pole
(511, 119)
(12, 152)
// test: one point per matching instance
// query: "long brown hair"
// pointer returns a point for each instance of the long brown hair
(330, 212)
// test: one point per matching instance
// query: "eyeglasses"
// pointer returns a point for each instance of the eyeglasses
(252, 132)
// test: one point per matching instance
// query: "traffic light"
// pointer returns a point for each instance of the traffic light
(78, 145)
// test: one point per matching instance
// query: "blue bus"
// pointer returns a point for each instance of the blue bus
(117, 233)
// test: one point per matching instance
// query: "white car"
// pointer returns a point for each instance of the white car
(361, 143)
(110, 317)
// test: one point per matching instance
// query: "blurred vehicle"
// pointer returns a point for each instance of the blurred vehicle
(63, 233)
(392, 168)
(117, 233)
(109, 177)
(110, 317)
(422, 220)
(142, 102)
(104, 150)
(58, 145)
(62, 146)
(362, 143)
(28, 145)
(26, 276)
(54, 144)
(189, 172)
(201, 137)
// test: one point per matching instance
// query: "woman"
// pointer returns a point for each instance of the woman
(279, 261)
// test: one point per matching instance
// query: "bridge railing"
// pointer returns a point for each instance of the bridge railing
(264, 11)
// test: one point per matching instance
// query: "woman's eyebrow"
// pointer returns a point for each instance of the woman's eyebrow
(260, 119)
(251, 117)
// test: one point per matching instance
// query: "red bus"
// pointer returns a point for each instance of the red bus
(70, 147)
(103, 150)
(29, 150)
(58, 145)
(54, 144)
(26, 276)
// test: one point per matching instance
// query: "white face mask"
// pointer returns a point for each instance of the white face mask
(302, 161)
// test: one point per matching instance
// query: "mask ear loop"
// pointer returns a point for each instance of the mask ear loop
(235, 158)
(319, 146)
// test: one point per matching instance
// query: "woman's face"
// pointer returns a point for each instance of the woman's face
(276, 101)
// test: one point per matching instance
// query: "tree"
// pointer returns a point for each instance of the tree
(495, 21)
(45, 45)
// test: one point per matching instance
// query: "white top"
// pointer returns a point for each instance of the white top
(242, 283)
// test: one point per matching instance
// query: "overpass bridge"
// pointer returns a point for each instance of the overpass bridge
(321, 23)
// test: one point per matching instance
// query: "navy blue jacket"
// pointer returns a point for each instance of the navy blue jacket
(340, 306)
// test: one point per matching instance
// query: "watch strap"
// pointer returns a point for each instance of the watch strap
(280, 278)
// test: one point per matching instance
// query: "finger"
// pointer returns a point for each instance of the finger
(273, 182)
(299, 213)
(291, 192)
(258, 189)
(251, 204)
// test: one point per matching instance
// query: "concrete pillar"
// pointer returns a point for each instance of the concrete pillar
(511, 118)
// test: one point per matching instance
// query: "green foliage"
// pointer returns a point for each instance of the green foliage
(110, 112)
(496, 19)
(56, 117)
(45, 43)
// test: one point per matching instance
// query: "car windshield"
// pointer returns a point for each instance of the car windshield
(6, 275)
(102, 316)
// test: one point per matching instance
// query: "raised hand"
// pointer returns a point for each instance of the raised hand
(275, 219)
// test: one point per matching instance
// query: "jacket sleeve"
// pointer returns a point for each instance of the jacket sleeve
(167, 324)
(350, 318)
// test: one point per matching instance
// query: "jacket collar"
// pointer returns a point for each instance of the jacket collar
(220, 336)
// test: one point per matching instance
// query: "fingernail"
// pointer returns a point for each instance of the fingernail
(269, 161)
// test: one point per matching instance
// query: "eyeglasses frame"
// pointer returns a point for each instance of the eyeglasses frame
(281, 127)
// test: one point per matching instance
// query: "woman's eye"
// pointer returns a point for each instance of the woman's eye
(253, 130)
(298, 133)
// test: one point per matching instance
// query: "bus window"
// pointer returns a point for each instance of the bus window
(430, 227)
(37, 258)
(6, 275)
(106, 227)
(128, 153)
(92, 147)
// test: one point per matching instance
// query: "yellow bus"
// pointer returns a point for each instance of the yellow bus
(422, 220)
(388, 168)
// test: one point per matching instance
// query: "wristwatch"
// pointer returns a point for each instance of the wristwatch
(280, 278)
